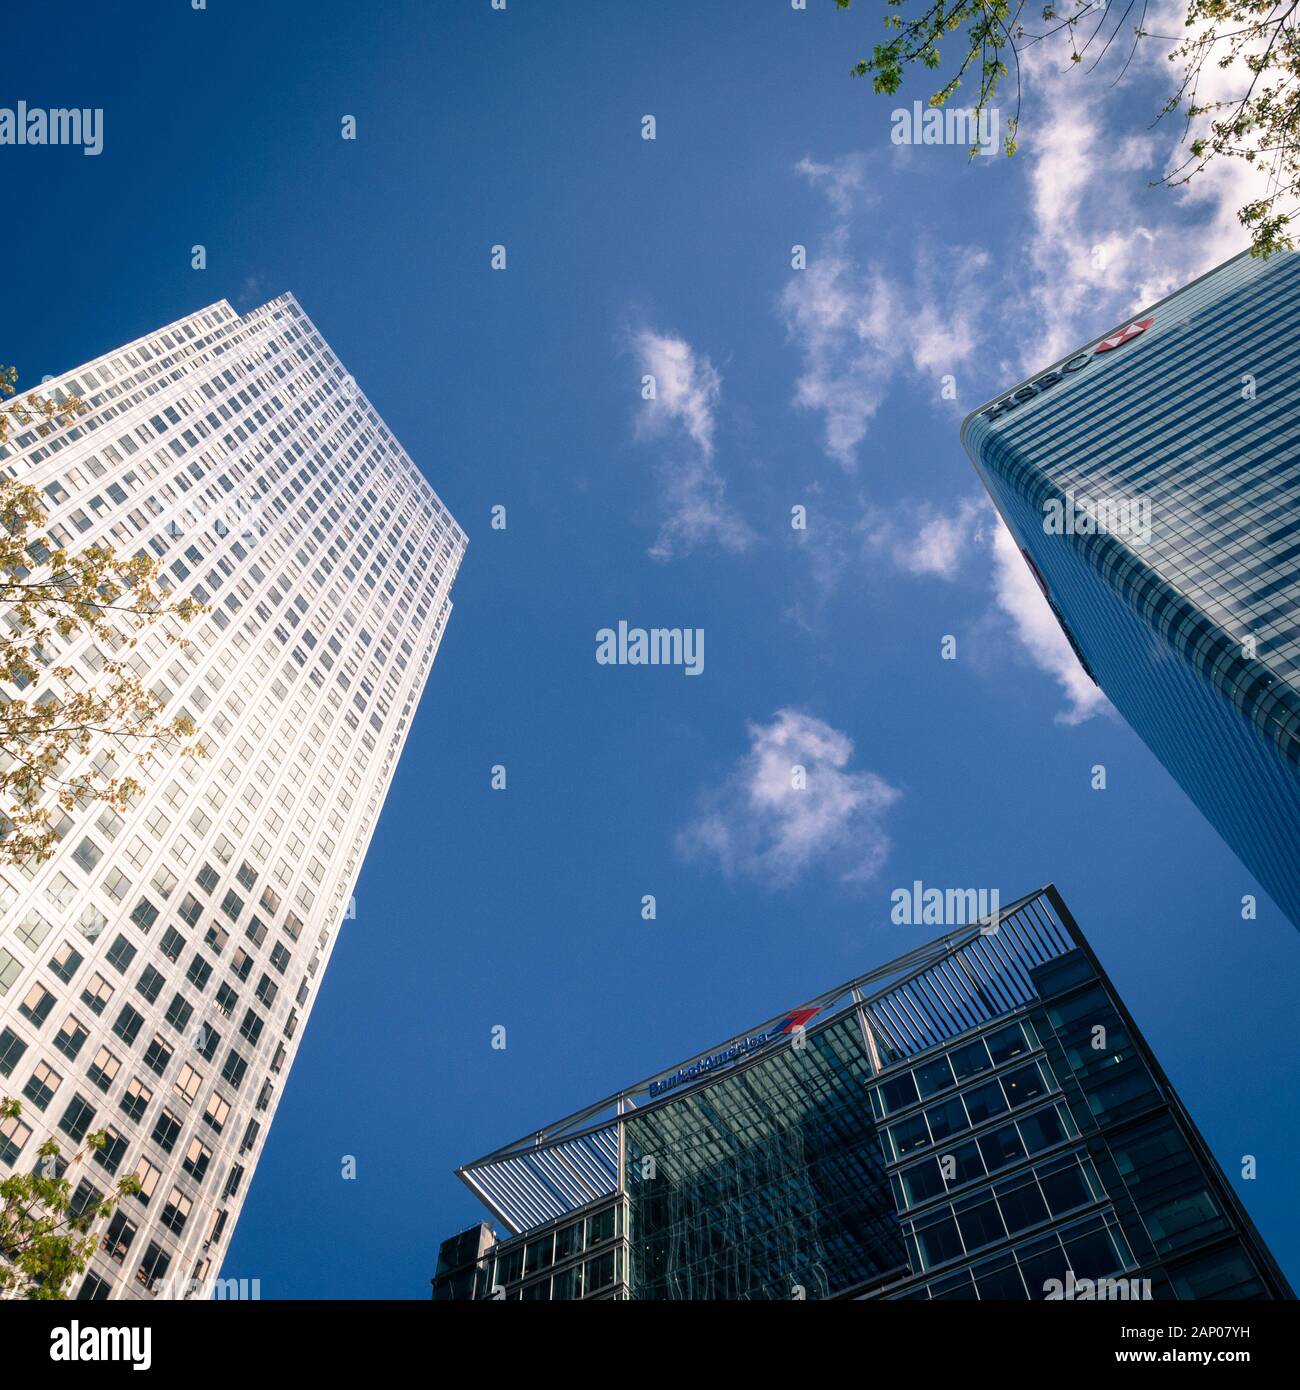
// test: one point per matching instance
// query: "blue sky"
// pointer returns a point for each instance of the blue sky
(822, 388)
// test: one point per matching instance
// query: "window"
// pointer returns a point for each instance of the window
(267, 989)
(197, 1158)
(93, 1289)
(1023, 1084)
(187, 1083)
(150, 984)
(934, 1076)
(128, 1024)
(983, 1102)
(96, 994)
(158, 1054)
(77, 1117)
(1001, 1147)
(176, 1211)
(226, 1000)
(166, 1131)
(1006, 1043)
(969, 1060)
(113, 1152)
(41, 1085)
(145, 914)
(65, 962)
(148, 1176)
(86, 1197)
(191, 909)
(135, 1099)
(206, 1041)
(179, 1013)
(217, 1112)
(70, 1037)
(37, 1004)
(153, 1268)
(199, 973)
(234, 1069)
(103, 1069)
(116, 884)
(10, 969)
(119, 1235)
(172, 944)
(87, 854)
(120, 954)
(280, 956)
(241, 963)
(13, 1135)
(12, 1048)
(251, 1028)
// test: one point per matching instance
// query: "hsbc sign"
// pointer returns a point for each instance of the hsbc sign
(1058, 374)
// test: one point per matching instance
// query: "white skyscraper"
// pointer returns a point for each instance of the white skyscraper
(156, 973)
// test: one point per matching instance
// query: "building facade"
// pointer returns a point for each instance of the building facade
(980, 1119)
(157, 972)
(1152, 482)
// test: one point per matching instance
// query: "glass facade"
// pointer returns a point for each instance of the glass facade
(768, 1181)
(1152, 481)
(1019, 1142)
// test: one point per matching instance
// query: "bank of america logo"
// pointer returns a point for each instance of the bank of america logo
(791, 1023)
(1119, 339)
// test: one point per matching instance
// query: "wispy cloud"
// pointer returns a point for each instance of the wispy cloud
(856, 329)
(687, 391)
(922, 539)
(1034, 624)
(760, 824)
(843, 180)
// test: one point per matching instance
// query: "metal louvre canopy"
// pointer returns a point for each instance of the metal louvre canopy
(973, 984)
(946, 987)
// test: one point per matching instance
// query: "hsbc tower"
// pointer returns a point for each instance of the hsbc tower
(1187, 415)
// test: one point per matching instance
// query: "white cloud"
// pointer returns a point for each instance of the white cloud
(1018, 596)
(1100, 243)
(855, 329)
(842, 180)
(922, 539)
(687, 390)
(758, 826)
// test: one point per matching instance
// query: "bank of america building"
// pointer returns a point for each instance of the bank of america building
(979, 1119)
(1180, 430)
(157, 972)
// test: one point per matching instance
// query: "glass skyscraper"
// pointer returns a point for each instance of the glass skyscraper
(1152, 482)
(157, 972)
(979, 1119)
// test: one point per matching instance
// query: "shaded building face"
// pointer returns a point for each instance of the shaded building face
(1152, 482)
(988, 1124)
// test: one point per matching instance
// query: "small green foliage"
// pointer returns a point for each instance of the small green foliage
(44, 1244)
(51, 717)
(1260, 39)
